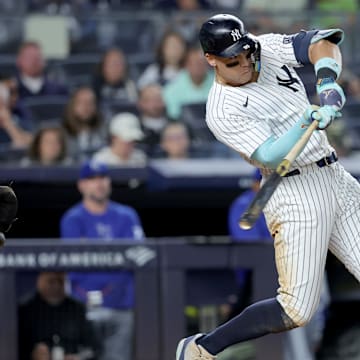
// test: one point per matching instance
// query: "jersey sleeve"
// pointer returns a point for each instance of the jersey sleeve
(242, 132)
(282, 46)
(134, 230)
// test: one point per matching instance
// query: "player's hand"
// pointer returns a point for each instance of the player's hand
(330, 93)
(325, 115)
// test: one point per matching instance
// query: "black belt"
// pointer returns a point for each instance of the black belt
(326, 161)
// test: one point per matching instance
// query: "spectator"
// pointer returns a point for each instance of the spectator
(112, 81)
(50, 315)
(238, 206)
(13, 132)
(124, 130)
(176, 142)
(183, 5)
(351, 85)
(97, 218)
(48, 147)
(170, 57)
(21, 114)
(152, 115)
(31, 77)
(192, 85)
(300, 343)
(84, 124)
(340, 138)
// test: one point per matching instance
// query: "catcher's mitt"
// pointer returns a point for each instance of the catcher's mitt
(8, 208)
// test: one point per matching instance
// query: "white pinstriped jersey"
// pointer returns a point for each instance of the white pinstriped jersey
(244, 117)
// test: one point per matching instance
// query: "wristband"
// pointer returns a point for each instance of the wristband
(327, 67)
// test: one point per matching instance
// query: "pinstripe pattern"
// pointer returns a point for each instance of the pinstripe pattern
(308, 213)
(271, 109)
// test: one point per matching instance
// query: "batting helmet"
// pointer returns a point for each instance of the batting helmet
(225, 35)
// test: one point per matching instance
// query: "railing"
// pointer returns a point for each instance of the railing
(160, 268)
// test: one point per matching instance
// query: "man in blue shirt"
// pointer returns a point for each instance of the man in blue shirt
(96, 218)
(259, 231)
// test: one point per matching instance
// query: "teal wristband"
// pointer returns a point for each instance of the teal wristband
(328, 63)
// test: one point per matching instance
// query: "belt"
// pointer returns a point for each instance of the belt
(325, 161)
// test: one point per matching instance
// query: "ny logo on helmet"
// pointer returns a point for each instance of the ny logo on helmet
(235, 34)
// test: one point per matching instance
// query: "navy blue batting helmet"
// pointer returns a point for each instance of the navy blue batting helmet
(225, 35)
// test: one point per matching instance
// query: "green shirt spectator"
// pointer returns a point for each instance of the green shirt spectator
(192, 84)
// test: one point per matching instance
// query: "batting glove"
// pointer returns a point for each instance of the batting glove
(325, 115)
(330, 93)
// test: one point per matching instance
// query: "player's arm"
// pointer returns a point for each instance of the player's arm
(321, 49)
(273, 150)
(134, 229)
(327, 61)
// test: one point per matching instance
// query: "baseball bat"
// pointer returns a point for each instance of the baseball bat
(255, 208)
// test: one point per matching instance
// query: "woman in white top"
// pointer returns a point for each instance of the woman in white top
(169, 61)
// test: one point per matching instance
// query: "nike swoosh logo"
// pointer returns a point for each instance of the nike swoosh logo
(246, 102)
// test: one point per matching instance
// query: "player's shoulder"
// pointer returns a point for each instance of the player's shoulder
(219, 92)
(73, 212)
(122, 209)
(271, 38)
(76, 305)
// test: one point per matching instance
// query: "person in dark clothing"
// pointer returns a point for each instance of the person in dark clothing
(50, 318)
(112, 82)
(31, 76)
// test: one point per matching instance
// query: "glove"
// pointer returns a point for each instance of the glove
(8, 208)
(325, 115)
(330, 93)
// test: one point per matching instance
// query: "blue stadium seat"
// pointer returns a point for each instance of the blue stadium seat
(193, 115)
(8, 65)
(76, 70)
(46, 108)
(11, 34)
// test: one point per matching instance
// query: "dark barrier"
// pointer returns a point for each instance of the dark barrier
(160, 271)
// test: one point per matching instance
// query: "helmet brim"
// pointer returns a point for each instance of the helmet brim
(236, 48)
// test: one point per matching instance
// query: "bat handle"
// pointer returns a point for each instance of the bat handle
(283, 167)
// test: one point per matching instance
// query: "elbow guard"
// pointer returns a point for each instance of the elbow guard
(303, 39)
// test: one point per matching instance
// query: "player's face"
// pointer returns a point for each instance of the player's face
(96, 189)
(235, 71)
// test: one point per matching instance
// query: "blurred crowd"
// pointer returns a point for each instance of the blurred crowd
(131, 91)
(127, 89)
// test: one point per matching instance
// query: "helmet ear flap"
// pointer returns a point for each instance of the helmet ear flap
(257, 63)
(255, 51)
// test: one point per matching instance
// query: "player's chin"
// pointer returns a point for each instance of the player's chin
(242, 81)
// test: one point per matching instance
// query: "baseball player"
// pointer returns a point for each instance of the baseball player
(258, 106)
